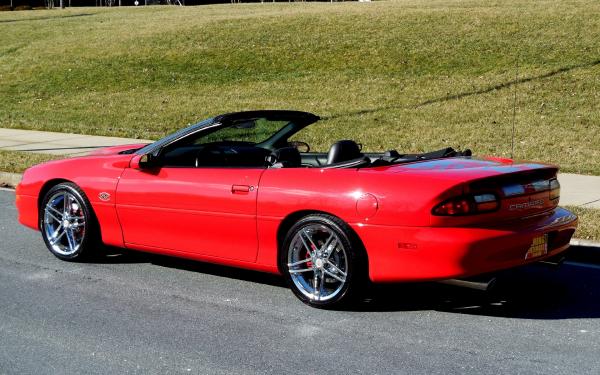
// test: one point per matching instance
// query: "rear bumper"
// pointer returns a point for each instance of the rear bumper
(434, 253)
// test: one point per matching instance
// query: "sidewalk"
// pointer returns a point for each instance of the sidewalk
(57, 143)
(579, 190)
(576, 190)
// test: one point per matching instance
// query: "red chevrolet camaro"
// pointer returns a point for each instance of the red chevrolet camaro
(237, 190)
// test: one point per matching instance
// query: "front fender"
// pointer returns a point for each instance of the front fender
(96, 176)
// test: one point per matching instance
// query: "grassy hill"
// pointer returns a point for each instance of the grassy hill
(413, 75)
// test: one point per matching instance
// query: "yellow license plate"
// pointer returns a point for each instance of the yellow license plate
(538, 247)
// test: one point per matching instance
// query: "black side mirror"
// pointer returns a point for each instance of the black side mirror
(299, 145)
(149, 161)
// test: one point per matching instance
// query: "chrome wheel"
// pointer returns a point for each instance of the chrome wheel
(64, 223)
(317, 262)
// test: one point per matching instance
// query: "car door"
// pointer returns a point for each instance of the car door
(195, 190)
(207, 211)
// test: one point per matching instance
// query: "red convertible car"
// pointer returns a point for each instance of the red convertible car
(237, 190)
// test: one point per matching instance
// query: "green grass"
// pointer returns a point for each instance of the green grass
(17, 162)
(413, 75)
(589, 218)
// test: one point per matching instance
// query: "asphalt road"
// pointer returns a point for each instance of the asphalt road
(136, 313)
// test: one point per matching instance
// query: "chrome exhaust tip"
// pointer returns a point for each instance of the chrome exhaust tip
(554, 261)
(483, 285)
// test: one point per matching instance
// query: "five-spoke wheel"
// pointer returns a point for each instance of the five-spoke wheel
(321, 260)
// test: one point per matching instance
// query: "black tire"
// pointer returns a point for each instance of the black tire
(86, 234)
(355, 267)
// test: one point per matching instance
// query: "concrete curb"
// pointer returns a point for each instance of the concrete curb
(9, 179)
(584, 243)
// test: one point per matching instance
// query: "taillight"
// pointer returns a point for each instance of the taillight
(467, 205)
(453, 207)
(554, 189)
(486, 202)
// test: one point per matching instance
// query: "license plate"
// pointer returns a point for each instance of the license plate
(538, 247)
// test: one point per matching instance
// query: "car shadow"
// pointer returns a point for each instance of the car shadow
(569, 291)
(113, 255)
(532, 292)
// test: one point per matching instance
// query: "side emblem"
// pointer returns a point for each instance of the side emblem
(104, 196)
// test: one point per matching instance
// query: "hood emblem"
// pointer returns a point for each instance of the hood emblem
(104, 196)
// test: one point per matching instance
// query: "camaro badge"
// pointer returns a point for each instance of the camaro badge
(522, 206)
(104, 196)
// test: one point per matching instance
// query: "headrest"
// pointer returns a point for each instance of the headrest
(343, 151)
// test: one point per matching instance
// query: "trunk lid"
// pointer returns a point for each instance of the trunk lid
(462, 168)
(522, 189)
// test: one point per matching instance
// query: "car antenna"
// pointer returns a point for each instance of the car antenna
(514, 115)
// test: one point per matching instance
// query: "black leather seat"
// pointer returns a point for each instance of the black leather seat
(346, 154)
(343, 151)
(286, 157)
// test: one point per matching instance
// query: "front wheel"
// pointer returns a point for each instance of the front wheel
(67, 223)
(323, 261)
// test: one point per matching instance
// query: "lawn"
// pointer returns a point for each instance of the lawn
(413, 75)
(17, 162)
(589, 218)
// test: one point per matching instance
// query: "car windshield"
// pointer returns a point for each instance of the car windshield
(249, 131)
(171, 137)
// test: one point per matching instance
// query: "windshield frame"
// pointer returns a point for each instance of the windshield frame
(297, 121)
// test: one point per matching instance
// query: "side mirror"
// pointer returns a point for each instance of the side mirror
(146, 161)
(300, 146)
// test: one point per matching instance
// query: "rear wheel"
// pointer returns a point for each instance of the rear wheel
(323, 262)
(67, 223)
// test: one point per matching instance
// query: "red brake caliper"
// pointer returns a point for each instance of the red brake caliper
(309, 264)
(79, 213)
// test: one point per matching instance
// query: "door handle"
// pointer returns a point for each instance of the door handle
(241, 189)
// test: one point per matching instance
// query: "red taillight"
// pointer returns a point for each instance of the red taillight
(467, 205)
(459, 206)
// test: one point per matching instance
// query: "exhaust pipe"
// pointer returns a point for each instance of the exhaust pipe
(556, 260)
(553, 262)
(471, 284)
